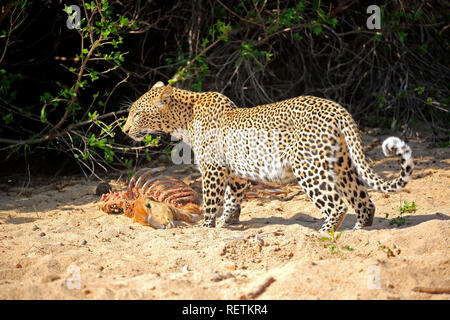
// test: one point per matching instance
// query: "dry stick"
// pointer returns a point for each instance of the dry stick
(115, 87)
(178, 74)
(259, 290)
(75, 91)
(288, 198)
(432, 290)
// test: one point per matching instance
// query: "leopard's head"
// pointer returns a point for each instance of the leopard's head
(148, 113)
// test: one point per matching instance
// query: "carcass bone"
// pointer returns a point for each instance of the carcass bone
(154, 200)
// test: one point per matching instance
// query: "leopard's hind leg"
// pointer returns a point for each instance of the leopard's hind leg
(313, 168)
(351, 186)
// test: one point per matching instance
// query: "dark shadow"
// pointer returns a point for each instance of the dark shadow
(62, 196)
(8, 219)
(411, 220)
(350, 219)
(26, 205)
(300, 218)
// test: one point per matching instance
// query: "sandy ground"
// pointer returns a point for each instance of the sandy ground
(56, 244)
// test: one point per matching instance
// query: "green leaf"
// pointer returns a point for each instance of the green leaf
(204, 44)
(43, 115)
(297, 36)
(8, 118)
(402, 36)
(68, 10)
(82, 83)
(92, 115)
(317, 29)
(333, 22)
(147, 155)
(124, 21)
(128, 163)
(332, 232)
(420, 90)
(378, 36)
(93, 75)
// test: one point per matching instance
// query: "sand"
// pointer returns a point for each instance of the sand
(56, 244)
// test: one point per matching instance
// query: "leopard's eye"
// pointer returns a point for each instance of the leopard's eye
(136, 117)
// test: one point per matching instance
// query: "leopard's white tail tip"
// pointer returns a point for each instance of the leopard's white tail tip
(391, 144)
(394, 146)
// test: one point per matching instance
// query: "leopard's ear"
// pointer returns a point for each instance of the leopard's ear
(164, 96)
(159, 84)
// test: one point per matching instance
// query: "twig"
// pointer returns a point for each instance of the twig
(260, 290)
(432, 290)
(290, 197)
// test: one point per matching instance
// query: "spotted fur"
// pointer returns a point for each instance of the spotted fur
(310, 140)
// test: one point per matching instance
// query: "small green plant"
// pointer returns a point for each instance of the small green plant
(129, 164)
(331, 242)
(168, 152)
(249, 52)
(407, 208)
(401, 220)
(389, 252)
(444, 144)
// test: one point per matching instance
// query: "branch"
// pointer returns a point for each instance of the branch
(61, 133)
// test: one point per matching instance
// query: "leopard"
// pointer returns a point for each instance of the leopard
(311, 141)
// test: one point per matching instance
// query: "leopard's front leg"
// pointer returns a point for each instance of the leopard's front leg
(213, 185)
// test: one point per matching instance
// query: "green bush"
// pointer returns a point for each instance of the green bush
(68, 90)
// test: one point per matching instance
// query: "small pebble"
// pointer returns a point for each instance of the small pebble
(42, 234)
(217, 277)
(35, 227)
(18, 265)
(163, 158)
(83, 242)
(102, 188)
(260, 241)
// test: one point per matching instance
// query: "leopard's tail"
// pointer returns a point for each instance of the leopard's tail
(391, 146)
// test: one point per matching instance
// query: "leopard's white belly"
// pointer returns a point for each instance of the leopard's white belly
(259, 163)
(277, 173)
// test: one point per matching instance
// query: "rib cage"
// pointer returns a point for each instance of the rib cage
(180, 200)
(162, 189)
